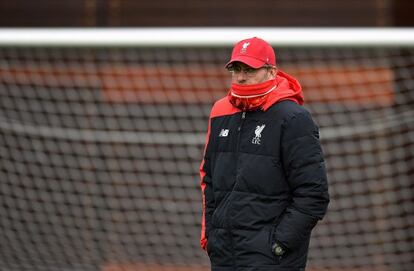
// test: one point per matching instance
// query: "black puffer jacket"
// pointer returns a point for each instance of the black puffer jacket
(263, 179)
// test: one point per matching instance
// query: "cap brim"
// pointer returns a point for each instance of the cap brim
(250, 61)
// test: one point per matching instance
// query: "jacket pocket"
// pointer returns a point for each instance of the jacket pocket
(272, 237)
(219, 247)
(210, 241)
(252, 247)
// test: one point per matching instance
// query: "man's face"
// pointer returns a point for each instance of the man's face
(243, 74)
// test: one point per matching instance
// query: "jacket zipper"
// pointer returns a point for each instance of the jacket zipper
(243, 117)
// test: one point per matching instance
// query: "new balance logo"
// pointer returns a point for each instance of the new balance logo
(224, 133)
(258, 134)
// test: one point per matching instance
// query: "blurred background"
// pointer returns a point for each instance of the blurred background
(127, 13)
(100, 145)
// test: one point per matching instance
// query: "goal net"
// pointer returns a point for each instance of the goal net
(100, 147)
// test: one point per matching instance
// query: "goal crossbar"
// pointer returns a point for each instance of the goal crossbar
(205, 36)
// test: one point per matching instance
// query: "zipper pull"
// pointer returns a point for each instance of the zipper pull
(243, 117)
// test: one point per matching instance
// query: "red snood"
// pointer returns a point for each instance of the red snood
(250, 97)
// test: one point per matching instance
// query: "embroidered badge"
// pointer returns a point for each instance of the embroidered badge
(258, 134)
(244, 47)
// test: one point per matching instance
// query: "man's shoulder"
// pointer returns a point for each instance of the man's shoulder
(288, 108)
(294, 116)
(223, 107)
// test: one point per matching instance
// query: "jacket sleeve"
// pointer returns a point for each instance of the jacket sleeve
(304, 166)
(207, 193)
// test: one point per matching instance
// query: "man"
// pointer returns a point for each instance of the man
(263, 176)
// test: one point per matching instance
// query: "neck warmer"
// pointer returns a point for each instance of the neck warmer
(250, 97)
(263, 95)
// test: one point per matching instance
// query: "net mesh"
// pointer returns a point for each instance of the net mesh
(100, 149)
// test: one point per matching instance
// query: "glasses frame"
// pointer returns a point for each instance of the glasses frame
(247, 71)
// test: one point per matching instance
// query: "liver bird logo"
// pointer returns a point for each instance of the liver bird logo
(244, 47)
(258, 134)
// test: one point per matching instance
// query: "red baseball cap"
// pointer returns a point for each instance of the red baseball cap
(253, 52)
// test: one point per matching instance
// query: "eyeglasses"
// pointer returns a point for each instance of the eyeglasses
(248, 71)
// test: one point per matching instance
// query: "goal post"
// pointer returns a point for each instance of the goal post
(102, 133)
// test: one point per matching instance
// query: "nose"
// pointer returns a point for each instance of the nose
(241, 78)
